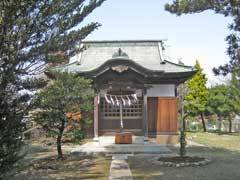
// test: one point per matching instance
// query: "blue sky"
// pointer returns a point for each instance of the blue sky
(189, 37)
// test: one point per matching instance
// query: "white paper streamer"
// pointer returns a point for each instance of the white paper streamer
(98, 99)
(129, 101)
(117, 100)
(121, 124)
(112, 100)
(135, 96)
(123, 100)
(108, 101)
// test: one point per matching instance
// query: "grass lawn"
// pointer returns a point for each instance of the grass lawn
(223, 149)
(223, 140)
(41, 163)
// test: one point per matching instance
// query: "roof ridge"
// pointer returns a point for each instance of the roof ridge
(124, 41)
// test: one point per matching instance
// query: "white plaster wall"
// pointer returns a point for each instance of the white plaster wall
(161, 90)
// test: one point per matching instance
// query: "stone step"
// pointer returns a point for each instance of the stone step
(120, 156)
(123, 149)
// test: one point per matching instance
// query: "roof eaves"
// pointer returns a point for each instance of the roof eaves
(65, 65)
(180, 65)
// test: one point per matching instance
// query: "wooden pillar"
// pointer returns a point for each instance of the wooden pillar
(145, 117)
(96, 118)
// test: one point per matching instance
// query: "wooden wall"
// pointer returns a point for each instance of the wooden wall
(162, 115)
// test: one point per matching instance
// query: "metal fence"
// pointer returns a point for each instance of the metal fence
(235, 126)
(214, 126)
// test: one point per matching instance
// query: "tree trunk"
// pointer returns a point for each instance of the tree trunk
(59, 140)
(184, 124)
(230, 126)
(183, 144)
(203, 122)
(59, 147)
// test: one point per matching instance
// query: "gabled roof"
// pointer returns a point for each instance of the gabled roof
(147, 55)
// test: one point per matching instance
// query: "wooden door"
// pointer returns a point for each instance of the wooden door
(167, 115)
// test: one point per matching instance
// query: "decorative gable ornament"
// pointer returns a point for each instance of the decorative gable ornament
(120, 68)
(120, 54)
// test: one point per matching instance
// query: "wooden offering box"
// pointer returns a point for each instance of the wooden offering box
(123, 138)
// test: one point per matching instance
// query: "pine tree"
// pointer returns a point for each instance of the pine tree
(223, 103)
(33, 33)
(68, 100)
(197, 94)
(235, 81)
(227, 8)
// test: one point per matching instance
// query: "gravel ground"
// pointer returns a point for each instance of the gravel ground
(41, 164)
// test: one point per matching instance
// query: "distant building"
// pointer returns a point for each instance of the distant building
(237, 119)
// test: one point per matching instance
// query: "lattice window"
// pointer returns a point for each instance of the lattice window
(108, 111)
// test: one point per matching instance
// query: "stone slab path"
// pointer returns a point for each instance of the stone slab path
(192, 144)
(119, 169)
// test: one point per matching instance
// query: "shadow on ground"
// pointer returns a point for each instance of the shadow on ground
(48, 168)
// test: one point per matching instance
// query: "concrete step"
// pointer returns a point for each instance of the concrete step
(120, 156)
(90, 148)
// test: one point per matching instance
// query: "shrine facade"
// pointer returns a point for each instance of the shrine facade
(135, 84)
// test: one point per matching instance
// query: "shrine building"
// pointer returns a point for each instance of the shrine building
(135, 84)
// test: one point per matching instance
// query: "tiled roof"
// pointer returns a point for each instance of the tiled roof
(146, 53)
